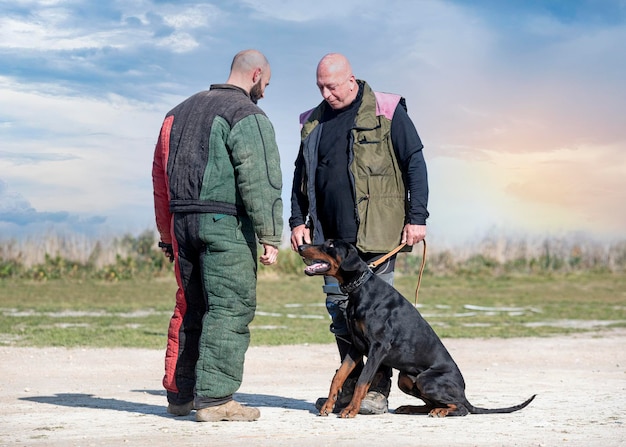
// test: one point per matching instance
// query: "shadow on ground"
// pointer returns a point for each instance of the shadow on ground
(80, 400)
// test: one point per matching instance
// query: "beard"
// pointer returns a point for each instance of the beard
(256, 92)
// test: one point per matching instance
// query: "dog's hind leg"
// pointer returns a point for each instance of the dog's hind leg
(443, 393)
(407, 385)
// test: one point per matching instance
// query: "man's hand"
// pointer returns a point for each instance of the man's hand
(412, 234)
(270, 254)
(300, 235)
(167, 250)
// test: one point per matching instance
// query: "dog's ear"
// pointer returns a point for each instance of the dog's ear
(350, 260)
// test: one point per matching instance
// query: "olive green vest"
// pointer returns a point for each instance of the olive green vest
(378, 184)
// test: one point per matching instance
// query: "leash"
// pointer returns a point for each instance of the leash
(379, 261)
(419, 278)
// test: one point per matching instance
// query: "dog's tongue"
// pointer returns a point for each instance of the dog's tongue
(316, 267)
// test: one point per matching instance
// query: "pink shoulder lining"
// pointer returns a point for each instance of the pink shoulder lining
(386, 103)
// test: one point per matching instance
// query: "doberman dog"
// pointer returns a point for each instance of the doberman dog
(387, 329)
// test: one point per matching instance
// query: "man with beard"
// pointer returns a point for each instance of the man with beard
(217, 190)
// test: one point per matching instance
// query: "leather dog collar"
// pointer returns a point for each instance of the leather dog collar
(352, 286)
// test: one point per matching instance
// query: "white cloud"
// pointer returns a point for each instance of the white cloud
(302, 12)
(53, 32)
(178, 42)
(55, 27)
(195, 16)
(92, 154)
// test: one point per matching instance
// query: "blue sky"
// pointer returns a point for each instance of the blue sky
(520, 104)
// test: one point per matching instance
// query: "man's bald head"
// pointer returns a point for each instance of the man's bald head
(335, 64)
(247, 60)
(250, 71)
(335, 80)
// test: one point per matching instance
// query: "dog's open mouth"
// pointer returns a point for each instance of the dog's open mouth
(315, 267)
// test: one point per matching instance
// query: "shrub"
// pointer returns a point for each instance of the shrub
(129, 257)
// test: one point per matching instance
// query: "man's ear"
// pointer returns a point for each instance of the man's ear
(256, 75)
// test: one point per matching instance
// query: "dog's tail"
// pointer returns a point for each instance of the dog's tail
(476, 410)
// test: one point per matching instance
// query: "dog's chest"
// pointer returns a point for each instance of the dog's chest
(364, 327)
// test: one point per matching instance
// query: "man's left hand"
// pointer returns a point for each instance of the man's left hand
(413, 234)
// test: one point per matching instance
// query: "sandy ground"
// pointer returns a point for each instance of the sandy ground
(113, 397)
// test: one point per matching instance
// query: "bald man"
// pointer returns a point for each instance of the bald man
(360, 176)
(217, 190)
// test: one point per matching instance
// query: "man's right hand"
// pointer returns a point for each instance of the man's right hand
(167, 250)
(300, 235)
(270, 254)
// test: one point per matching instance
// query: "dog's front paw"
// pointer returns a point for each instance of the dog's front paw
(349, 412)
(326, 409)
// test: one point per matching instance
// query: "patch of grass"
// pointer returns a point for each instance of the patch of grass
(135, 313)
(86, 313)
(290, 310)
(517, 306)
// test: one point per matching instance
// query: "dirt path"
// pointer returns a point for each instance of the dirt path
(113, 397)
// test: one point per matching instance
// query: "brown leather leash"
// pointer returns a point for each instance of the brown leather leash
(379, 261)
(419, 278)
(382, 259)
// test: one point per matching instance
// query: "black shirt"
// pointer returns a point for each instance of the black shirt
(335, 197)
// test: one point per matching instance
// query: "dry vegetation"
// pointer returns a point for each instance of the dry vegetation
(72, 291)
(76, 256)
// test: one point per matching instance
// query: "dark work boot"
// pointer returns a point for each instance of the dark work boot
(180, 410)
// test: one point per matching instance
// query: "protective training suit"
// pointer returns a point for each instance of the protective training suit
(217, 191)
